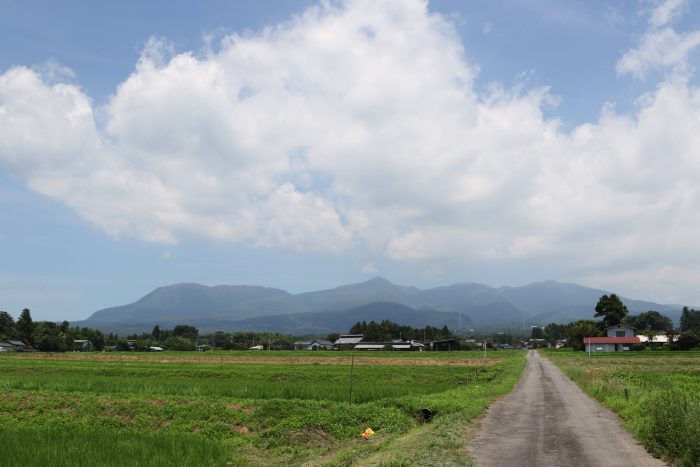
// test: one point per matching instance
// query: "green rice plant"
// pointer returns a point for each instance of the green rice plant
(262, 414)
(88, 446)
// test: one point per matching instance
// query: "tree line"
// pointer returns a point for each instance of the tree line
(187, 337)
(387, 331)
(47, 336)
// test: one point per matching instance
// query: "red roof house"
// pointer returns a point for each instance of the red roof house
(620, 338)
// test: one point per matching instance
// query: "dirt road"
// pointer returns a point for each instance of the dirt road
(548, 421)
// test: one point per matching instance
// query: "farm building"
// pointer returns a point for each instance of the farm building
(444, 345)
(619, 338)
(82, 345)
(410, 345)
(404, 346)
(348, 341)
(371, 346)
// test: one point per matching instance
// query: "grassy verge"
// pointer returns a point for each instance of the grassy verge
(657, 394)
(250, 414)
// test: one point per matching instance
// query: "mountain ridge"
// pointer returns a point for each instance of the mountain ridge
(251, 307)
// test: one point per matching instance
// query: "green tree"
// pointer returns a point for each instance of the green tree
(47, 337)
(186, 331)
(690, 320)
(650, 320)
(7, 325)
(179, 343)
(332, 337)
(580, 329)
(25, 326)
(686, 341)
(155, 333)
(611, 309)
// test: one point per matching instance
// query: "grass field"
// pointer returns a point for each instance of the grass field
(657, 394)
(245, 408)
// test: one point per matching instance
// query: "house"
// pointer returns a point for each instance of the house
(82, 345)
(313, 345)
(619, 338)
(17, 346)
(348, 341)
(6, 347)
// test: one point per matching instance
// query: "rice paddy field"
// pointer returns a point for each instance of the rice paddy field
(246, 408)
(657, 394)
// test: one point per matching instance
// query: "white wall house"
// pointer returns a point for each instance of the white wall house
(619, 339)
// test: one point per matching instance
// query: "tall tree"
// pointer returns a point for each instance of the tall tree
(25, 326)
(611, 309)
(7, 324)
(690, 321)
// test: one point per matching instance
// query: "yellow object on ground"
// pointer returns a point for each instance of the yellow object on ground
(368, 432)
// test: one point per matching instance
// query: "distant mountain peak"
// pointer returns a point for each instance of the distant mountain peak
(379, 280)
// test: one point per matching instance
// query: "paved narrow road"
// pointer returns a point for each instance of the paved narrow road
(548, 421)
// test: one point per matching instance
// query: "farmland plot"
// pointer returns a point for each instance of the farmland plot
(657, 394)
(245, 409)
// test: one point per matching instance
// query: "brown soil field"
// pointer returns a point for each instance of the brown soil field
(268, 360)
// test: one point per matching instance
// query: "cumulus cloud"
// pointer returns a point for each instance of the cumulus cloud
(356, 127)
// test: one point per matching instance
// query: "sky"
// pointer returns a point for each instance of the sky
(304, 145)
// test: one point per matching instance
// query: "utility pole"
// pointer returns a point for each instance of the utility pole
(352, 364)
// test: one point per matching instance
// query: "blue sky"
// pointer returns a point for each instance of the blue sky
(304, 145)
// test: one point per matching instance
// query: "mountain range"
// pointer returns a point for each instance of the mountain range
(458, 306)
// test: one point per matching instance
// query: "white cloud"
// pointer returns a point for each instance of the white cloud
(370, 269)
(665, 11)
(660, 47)
(356, 127)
